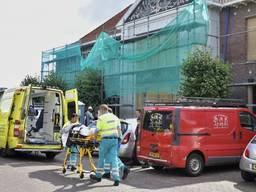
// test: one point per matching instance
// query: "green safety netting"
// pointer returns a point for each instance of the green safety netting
(65, 61)
(153, 64)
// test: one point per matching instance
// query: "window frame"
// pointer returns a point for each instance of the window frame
(165, 122)
(252, 119)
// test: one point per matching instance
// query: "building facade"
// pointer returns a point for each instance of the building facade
(231, 36)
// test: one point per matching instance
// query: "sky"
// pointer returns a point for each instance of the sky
(28, 27)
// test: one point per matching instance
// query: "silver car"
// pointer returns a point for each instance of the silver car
(128, 144)
(248, 161)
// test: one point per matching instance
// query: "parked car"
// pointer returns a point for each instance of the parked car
(128, 144)
(192, 135)
(248, 161)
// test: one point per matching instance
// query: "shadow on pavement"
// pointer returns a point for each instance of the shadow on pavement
(65, 182)
(150, 179)
(28, 159)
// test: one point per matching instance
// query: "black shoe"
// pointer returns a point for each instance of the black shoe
(106, 175)
(73, 168)
(69, 167)
(116, 183)
(93, 177)
(126, 172)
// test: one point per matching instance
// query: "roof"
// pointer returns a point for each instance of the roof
(108, 26)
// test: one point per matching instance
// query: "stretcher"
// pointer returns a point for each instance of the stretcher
(86, 146)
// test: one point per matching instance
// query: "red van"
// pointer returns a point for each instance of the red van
(191, 136)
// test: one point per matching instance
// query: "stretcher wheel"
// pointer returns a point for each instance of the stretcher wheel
(64, 170)
(81, 175)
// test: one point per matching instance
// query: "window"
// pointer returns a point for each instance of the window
(254, 140)
(158, 121)
(247, 121)
(124, 127)
(251, 39)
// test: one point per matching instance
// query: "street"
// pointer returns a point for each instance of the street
(32, 173)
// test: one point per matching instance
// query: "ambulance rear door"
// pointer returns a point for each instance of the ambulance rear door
(71, 100)
(6, 108)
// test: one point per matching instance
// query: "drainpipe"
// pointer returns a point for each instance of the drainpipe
(227, 15)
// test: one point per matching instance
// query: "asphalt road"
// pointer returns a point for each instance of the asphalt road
(33, 173)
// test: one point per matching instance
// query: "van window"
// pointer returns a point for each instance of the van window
(247, 121)
(158, 121)
(6, 102)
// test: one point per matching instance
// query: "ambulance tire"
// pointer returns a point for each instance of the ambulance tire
(194, 165)
(6, 152)
(50, 155)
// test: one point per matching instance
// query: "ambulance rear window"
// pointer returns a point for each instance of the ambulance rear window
(158, 121)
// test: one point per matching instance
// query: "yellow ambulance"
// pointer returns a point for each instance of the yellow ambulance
(31, 119)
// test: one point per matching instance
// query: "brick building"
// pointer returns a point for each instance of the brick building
(238, 46)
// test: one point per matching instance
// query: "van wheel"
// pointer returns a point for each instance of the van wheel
(50, 155)
(247, 176)
(194, 165)
(157, 167)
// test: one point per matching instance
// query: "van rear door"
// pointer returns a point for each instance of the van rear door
(156, 135)
(71, 98)
(6, 108)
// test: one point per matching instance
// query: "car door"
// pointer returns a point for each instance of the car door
(247, 128)
(71, 103)
(6, 107)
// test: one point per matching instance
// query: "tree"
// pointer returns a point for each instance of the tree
(29, 79)
(89, 86)
(204, 76)
(53, 80)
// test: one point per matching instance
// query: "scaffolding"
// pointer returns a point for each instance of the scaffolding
(150, 67)
(65, 61)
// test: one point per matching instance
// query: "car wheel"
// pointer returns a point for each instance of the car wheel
(247, 176)
(134, 156)
(194, 165)
(157, 167)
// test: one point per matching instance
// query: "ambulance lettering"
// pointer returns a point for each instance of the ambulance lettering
(220, 121)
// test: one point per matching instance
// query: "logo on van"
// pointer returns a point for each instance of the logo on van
(220, 121)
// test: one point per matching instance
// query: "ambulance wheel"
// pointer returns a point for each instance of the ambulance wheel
(157, 167)
(64, 170)
(6, 152)
(81, 175)
(194, 165)
(50, 155)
